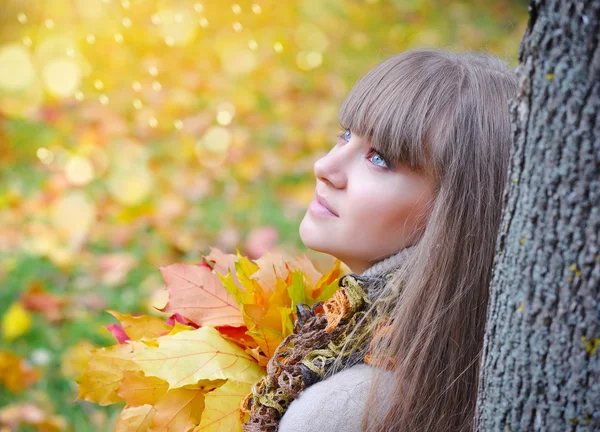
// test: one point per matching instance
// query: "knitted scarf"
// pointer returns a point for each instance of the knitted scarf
(304, 357)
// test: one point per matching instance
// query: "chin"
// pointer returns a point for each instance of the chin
(318, 238)
(312, 236)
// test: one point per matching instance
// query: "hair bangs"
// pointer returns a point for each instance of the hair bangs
(394, 106)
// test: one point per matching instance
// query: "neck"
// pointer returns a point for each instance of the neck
(389, 263)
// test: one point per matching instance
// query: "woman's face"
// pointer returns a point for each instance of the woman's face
(378, 208)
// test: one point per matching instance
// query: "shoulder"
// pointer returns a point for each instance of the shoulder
(337, 402)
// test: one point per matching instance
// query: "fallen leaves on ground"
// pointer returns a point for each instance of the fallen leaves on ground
(15, 374)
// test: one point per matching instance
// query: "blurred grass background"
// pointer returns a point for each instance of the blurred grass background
(139, 133)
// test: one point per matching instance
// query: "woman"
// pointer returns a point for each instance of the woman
(410, 199)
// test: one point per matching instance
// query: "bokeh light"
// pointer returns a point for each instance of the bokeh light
(138, 133)
(17, 70)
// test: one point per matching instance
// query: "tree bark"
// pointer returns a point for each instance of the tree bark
(540, 367)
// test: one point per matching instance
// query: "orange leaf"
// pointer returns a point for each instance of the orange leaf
(137, 389)
(180, 410)
(328, 279)
(268, 340)
(198, 294)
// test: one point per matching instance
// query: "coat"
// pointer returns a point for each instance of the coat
(334, 404)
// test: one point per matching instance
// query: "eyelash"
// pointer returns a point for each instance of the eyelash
(371, 150)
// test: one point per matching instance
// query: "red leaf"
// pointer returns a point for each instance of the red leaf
(197, 294)
(118, 332)
(176, 317)
(237, 335)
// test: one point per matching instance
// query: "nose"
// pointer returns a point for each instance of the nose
(332, 167)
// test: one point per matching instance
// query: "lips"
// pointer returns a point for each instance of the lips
(324, 203)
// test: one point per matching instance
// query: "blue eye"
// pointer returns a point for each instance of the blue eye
(347, 135)
(375, 154)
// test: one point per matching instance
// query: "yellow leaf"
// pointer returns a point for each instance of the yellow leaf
(287, 325)
(103, 376)
(178, 327)
(232, 285)
(252, 287)
(136, 419)
(138, 327)
(280, 296)
(178, 411)
(267, 293)
(222, 408)
(244, 265)
(136, 389)
(15, 322)
(202, 354)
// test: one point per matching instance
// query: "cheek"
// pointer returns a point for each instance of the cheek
(391, 215)
(374, 211)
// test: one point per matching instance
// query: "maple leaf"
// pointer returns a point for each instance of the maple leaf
(100, 381)
(271, 268)
(176, 317)
(136, 389)
(267, 292)
(141, 327)
(193, 370)
(306, 267)
(223, 263)
(237, 335)
(118, 332)
(178, 411)
(222, 408)
(197, 293)
(328, 283)
(193, 355)
(135, 419)
(170, 409)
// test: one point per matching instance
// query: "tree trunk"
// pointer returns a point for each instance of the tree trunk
(540, 369)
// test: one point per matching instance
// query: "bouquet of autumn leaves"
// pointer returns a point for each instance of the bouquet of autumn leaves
(191, 371)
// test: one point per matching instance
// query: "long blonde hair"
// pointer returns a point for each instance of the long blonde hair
(448, 113)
